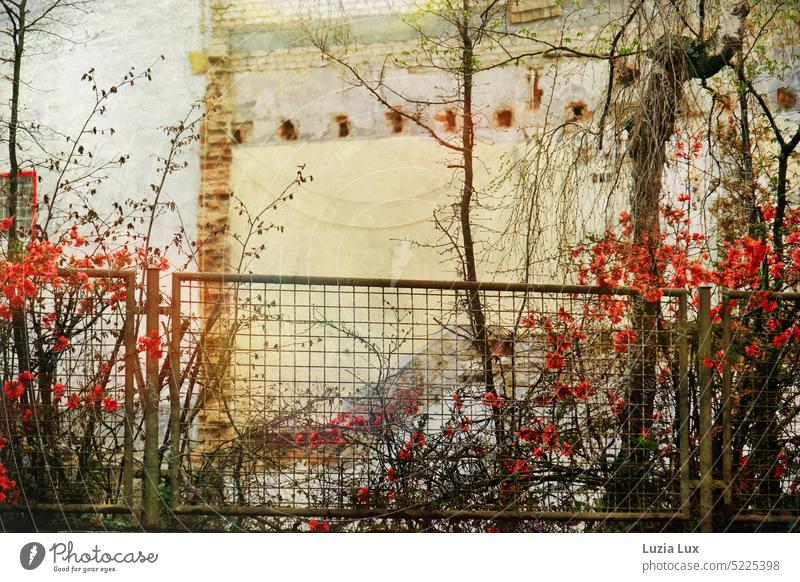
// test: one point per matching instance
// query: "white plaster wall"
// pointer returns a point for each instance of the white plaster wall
(368, 211)
(111, 37)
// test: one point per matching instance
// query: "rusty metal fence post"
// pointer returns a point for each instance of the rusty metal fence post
(683, 403)
(150, 404)
(130, 363)
(174, 391)
(704, 373)
(727, 431)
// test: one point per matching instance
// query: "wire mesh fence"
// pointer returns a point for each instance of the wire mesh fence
(373, 399)
(397, 395)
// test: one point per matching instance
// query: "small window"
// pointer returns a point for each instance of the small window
(26, 198)
(342, 125)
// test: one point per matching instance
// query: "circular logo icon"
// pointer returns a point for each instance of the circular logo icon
(31, 555)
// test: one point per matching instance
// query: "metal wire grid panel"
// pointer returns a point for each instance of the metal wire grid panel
(66, 438)
(377, 394)
(758, 403)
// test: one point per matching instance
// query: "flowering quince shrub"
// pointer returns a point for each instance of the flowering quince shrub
(62, 415)
(764, 327)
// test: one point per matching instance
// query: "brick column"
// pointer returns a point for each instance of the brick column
(214, 251)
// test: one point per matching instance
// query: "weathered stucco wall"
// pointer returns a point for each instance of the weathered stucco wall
(111, 37)
(369, 210)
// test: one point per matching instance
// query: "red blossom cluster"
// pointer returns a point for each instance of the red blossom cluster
(615, 402)
(717, 361)
(677, 256)
(336, 430)
(119, 259)
(518, 468)
(543, 437)
(21, 280)
(623, 340)
(7, 485)
(492, 400)
(321, 437)
(667, 260)
(94, 398)
(151, 343)
(560, 336)
(151, 258)
(62, 343)
(415, 441)
(690, 148)
(790, 333)
(317, 526)
(14, 389)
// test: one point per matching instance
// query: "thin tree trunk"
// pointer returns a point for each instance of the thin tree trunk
(20, 329)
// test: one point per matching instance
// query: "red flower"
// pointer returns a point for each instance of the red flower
(491, 400)
(554, 360)
(58, 391)
(151, 343)
(562, 391)
(26, 376)
(525, 434)
(6, 223)
(73, 402)
(751, 351)
(766, 305)
(623, 339)
(584, 389)
(13, 390)
(317, 526)
(110, 405)
(26, 416)
(412, 407)
(519, 468)
(77, 240)
(96, 394)
(391, 474)
(61, 344)
(363, 495)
